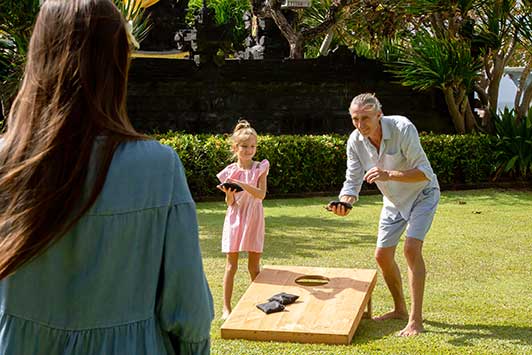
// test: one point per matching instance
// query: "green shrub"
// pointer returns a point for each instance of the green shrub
(458, 159)
(515, 143)
(299, 163)
(316, 163)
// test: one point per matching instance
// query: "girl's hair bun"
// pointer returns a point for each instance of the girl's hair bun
(241, 124)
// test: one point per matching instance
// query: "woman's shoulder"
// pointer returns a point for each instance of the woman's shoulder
(148, 147)
(145, 154)
(143, 174)
(146, 159)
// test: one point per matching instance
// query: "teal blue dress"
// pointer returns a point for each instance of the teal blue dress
(127, 279)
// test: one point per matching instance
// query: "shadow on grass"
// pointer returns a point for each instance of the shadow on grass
(291, 236)
(464, 334)
(369, 330)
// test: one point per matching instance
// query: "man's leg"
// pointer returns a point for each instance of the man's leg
(416, 282)
(420, 221)
(390, 271)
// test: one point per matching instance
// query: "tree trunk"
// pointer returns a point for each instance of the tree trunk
(465, 109)
(297, 50)
(470, 120)
(325, 45)
(456, 116)
(525, 102)
(495, 81)
(524, 93)
(295, 39)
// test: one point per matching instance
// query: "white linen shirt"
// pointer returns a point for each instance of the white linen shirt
(400, 149)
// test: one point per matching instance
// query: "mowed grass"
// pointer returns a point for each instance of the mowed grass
(478, 297)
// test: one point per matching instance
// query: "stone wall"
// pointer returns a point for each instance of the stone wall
(278, 97)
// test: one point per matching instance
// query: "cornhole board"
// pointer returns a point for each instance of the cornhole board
(327, 311)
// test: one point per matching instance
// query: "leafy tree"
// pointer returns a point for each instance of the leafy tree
(490, 31)
(444, 63)
(523, 22)
(327, 16)
(371, 28)
(374, 29)
(226, 12)
(496, 35)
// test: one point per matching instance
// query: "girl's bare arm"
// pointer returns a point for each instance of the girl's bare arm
(257, 192)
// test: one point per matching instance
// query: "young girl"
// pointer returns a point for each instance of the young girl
(244, 222)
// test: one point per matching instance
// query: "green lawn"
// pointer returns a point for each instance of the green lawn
(478, 298)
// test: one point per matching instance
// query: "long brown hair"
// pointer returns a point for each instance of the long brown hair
(73, 90)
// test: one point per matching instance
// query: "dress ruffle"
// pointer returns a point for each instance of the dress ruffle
(141, 337)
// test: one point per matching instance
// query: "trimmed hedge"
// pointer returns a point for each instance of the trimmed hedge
(316, 163)
(459, 159)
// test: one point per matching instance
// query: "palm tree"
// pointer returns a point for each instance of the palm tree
(443, 63)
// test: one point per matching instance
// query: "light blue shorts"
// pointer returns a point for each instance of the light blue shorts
(392, 224)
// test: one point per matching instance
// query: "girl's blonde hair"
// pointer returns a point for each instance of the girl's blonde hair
(241, 132)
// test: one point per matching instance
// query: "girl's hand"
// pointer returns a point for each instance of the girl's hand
(228, 191)
(229, 194)
(239, 183)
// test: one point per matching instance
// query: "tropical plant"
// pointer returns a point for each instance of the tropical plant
(494, 31)
(327, 15)
(496, 37)
(16, 23)
(523, 22)
(444, 63)
(226, 12)
(134, 13)
(374, 29)
(515, 143)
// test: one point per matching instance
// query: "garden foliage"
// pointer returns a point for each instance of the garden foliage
(316, 163)
(514, 145)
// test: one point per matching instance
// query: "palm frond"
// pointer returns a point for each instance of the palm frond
(134, 12)
(432, 62)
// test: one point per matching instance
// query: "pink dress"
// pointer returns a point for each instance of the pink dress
(244, 220)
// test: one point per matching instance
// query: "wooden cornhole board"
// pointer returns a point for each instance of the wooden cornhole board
(328, 313)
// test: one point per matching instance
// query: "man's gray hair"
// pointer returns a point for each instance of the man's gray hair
(367, 102)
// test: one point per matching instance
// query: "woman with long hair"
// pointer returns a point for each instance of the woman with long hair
(99, 250)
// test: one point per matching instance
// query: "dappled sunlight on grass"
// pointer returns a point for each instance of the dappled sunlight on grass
(479, 267)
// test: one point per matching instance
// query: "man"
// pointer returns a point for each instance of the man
(386, 150)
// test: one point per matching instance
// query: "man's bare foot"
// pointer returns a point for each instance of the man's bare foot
(392, 315)
(411, 329)
(226, 313)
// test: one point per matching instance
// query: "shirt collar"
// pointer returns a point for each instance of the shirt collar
(386, 130)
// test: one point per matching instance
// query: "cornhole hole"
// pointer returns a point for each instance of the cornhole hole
(330, 306)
